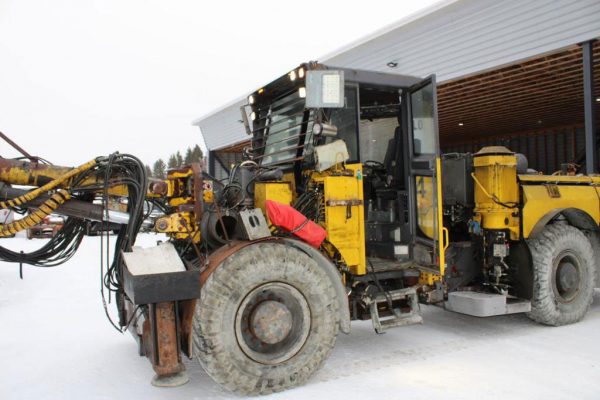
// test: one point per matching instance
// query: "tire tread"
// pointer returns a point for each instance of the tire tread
(545, 309)
(220, 288)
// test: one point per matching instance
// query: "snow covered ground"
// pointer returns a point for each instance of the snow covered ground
(55, 343)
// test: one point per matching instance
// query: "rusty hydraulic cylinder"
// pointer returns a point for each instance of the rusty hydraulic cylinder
(161, 344)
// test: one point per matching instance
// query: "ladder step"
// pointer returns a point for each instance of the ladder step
(397, 318)
(404, 321)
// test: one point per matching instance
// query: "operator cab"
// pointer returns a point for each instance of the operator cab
(387, 123)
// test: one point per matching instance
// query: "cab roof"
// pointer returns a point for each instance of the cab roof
(371, 78)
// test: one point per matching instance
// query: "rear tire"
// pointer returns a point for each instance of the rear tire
(266, 320)
(563, 269)
(594, 238)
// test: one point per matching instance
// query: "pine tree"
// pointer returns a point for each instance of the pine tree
(187, 160)
(172, 163)
(179, 158)
(197, 154)
(148, 171)
(159, 169)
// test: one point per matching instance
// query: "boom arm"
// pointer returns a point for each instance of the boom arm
(71, 192)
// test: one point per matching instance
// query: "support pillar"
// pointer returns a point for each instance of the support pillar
(211, 162)
(589, 101)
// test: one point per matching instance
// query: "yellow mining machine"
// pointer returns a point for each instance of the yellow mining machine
(352, 159)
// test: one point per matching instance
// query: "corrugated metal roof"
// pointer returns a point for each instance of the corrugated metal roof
(472, 36)
(452, 39)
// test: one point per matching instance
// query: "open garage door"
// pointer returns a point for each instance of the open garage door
(535, 107)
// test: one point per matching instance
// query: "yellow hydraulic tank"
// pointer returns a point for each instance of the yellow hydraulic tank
(496, 189)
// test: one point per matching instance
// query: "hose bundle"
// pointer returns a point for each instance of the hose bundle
(83, 183)
(35, 217)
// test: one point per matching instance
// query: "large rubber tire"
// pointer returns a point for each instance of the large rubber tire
(561, 298)
(217, 342)
(594, 237)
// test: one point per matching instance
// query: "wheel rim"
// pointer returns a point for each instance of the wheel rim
(566, 277)
(272, 323)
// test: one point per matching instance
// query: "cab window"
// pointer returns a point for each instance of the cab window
(346, 121)
(423, 120)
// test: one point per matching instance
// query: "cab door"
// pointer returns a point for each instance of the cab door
(428, 235)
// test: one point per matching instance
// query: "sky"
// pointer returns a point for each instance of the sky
(84, 78)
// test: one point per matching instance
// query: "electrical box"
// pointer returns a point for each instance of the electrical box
(457, 183)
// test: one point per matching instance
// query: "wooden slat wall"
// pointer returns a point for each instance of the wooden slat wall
(545, 150)
(539, 93)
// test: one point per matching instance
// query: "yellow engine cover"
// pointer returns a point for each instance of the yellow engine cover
(344, 215)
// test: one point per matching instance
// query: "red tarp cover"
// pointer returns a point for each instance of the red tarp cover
(288, 218)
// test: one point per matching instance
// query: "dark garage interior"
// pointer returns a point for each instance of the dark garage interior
(535, 107)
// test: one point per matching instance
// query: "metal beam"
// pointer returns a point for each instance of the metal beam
(589, 100)
(211, 162)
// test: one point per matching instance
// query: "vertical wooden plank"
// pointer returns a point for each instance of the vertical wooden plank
(544, 135)
(528, 152)
(574, 142)
(565, 147)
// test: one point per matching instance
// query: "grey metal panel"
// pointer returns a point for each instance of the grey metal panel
(455, 40)
(224, 127)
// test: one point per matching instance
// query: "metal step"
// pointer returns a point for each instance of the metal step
(398, 318)
(481, 304)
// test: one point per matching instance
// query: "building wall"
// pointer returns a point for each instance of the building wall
(223, 128)
(223, 163)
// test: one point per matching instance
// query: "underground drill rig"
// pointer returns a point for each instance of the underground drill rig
(338, 212)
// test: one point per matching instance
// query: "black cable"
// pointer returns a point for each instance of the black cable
(387, 295)
(56, 251)
(114, 170)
